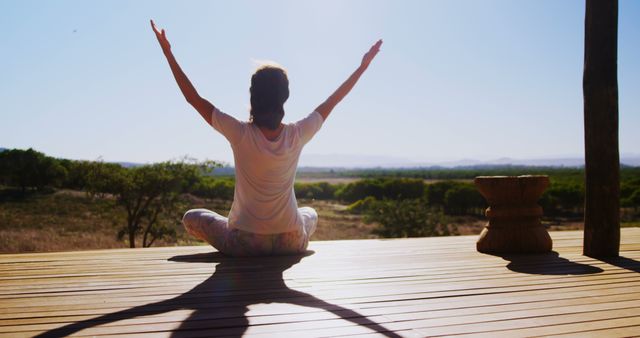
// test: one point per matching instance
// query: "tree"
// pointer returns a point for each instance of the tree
(146, 193)
(100, 178)
(30, 169)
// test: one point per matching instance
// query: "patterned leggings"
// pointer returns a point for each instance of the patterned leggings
(214, 228)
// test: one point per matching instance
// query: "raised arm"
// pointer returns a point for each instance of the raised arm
(203, 106)
(327, 106)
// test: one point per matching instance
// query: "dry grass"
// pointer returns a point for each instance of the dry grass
(332, 180)
(50, 239)
(346, 180)
(334, 223)
(70, 220)
(66, 220)
(51, 222)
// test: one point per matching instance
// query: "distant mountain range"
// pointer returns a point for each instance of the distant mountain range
(365, 161)
(327, 162)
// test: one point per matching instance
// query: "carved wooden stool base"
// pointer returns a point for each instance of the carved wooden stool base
(514, 216)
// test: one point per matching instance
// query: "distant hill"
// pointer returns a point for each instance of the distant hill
(365, 161)
(129, 164)
(327, 162)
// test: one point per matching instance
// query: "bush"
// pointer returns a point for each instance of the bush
(407, 218)
(435, 192)
(403, 188)
(627, 190)
(212, 187)
(633, 201)
(382, 188)
(562, 197)
(361, 206)
(361, 189)
(463, 199)
(318, 191)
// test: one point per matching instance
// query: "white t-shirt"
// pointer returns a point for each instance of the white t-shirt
(264, 201)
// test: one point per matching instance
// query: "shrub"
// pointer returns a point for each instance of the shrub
(407, 218)
(463, 199)
(561, 197)
(633, 201)
(382, 188)
(435, 192)
(212, 187)
(318, 191)
(361, 206)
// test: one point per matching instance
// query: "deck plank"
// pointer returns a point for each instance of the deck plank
(370, 288)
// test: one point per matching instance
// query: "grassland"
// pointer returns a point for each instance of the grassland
(45, 202)
(72, 220)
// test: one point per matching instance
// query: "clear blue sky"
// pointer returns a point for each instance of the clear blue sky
(454, 79)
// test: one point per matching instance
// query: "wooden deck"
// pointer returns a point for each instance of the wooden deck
(406, 287)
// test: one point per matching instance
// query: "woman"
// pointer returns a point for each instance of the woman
(264, 217)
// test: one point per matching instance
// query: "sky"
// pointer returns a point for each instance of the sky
(454, 79)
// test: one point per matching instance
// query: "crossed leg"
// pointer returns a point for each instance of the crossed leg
(214, 229)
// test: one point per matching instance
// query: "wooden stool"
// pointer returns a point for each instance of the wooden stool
(514, 214)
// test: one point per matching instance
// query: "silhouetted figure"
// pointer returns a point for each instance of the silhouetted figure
(221, 302)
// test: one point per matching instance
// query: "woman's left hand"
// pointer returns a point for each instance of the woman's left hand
(371, 54)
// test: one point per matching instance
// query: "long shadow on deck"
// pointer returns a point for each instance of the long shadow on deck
(221, 302)
(623, 262)
(546, 264)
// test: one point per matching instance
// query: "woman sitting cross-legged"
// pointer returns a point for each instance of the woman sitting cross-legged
(264, 217)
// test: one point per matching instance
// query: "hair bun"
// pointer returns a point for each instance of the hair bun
(269, 91)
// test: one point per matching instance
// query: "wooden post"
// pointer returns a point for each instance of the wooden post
(602, 161)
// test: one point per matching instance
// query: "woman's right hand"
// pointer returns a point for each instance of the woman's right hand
(203, 106)
(162, 38)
